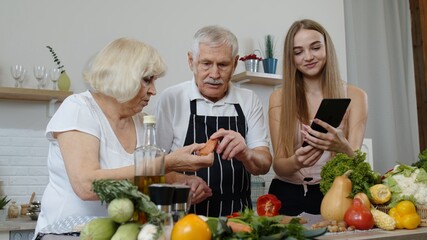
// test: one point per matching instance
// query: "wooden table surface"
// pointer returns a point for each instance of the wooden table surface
(415, 234)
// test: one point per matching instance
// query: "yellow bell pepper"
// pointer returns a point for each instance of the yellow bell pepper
(405, 215)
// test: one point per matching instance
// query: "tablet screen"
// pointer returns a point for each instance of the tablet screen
(332, 111)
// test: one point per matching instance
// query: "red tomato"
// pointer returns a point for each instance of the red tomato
(359, 216)
(233, 215)
(268, 205)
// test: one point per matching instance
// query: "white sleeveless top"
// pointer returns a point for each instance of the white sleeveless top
(80, 112)
(312, 172)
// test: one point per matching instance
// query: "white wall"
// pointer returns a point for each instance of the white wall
(78, 29)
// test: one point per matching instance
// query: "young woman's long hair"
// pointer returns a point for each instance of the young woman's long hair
(295, 107)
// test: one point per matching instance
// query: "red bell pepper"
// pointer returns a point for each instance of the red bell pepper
(234, 214)
(268, 205)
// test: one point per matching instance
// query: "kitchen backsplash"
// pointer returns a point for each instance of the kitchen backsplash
(23, 167)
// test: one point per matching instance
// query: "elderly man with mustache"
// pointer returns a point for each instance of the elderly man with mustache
(210, 107)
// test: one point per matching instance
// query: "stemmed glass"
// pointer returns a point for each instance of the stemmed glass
(39, 74)
(54, 76)
(22, 78)
(45, 79)
(17, 72)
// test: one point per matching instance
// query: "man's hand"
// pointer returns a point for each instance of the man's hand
(199, 190)
(232, 144)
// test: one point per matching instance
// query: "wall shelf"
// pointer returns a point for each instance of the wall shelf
(257, 78)
(51, 96)
(33, 94)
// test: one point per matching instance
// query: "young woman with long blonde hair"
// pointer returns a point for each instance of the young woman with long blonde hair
(310, 74)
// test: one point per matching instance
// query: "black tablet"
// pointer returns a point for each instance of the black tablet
(332, 111)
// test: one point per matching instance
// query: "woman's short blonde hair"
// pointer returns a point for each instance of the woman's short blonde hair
(117, 70)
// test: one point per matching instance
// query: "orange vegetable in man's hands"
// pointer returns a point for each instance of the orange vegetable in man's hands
(209, 147)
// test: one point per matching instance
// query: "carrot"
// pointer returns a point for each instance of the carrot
(239, 227)
(287, 219)
(209, 147)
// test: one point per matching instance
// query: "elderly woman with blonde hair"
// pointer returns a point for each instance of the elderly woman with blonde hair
(94, 134)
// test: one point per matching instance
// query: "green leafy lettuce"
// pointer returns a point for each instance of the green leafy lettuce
(422, 161)
(362, 176)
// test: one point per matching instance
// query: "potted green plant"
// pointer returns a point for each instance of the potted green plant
(3, 202)
(269, 62)
(3, 213)
(63, 81)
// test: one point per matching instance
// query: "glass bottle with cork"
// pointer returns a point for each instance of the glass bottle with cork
(149, 160)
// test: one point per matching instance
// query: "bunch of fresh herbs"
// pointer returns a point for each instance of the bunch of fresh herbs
(107, 190)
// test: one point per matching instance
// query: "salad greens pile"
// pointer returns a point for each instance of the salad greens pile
(362, 176)
(263, 228)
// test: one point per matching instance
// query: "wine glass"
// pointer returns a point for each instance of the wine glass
(54, 76)
(22, 78)
(39, 73)
(16, 71)
(45, 79)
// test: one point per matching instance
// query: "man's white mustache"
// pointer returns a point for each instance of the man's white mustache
(213, 81)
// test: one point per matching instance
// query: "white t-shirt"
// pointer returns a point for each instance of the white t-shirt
(173, 113)
(80, 112)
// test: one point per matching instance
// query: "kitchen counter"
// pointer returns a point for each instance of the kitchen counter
(376, 233)
(20, 223)
(415, 234)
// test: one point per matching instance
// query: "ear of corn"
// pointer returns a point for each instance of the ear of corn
(380, 193)
(383, 220)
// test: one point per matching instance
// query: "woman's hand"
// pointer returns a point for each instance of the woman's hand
(334, 140)
(185, 159)
(307, 156)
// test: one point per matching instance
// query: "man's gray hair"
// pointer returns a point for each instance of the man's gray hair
(214, 36)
